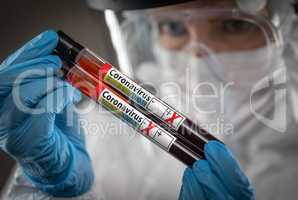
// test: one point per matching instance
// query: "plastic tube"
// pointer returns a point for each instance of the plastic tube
(89, 84)
(166, 116)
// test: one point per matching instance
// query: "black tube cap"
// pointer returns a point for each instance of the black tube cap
(67, 49)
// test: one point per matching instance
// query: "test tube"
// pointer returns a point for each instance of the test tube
(90, 85)
(167, 117)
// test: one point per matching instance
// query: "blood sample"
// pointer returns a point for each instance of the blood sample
(169, 118)
(118, 106)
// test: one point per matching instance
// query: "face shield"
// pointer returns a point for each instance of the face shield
(197, 55)
(220, 40)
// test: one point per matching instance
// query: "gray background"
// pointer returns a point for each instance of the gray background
(22, 20)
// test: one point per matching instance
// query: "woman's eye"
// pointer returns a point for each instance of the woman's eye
(236, 26)
(173, 28)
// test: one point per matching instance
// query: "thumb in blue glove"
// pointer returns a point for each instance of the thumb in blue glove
(216, 178)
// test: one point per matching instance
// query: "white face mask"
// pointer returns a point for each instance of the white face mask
(184, 82)
(245, 69)
(241, 69)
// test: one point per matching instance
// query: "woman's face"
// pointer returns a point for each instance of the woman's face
(211, 24)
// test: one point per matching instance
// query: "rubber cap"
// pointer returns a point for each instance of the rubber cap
(67, 49)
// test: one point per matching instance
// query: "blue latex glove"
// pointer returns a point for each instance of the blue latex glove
(219, 177)
(48, 145)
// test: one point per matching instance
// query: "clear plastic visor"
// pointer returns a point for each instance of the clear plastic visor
(219, 30)
(228, 41)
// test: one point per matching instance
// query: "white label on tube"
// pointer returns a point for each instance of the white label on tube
(144, 98)
(166, 113)
(135, 119)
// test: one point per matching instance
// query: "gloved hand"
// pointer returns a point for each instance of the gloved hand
(219, 177)
(37, 124)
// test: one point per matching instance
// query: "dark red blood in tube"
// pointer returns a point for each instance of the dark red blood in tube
(92, 87)
(87, 70)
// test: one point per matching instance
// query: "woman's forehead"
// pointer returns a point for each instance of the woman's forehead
(197, 4)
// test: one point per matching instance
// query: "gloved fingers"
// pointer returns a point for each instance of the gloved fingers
(31, 93)
(49, 160)
(44, 118)
(191, 189)
(33, 133)
(211, 185)
(40, 46)
(39, 67)
(228, 170)
(41, 149)
(59, 99)
(43, 95)
(34, 69)
(68, 121)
